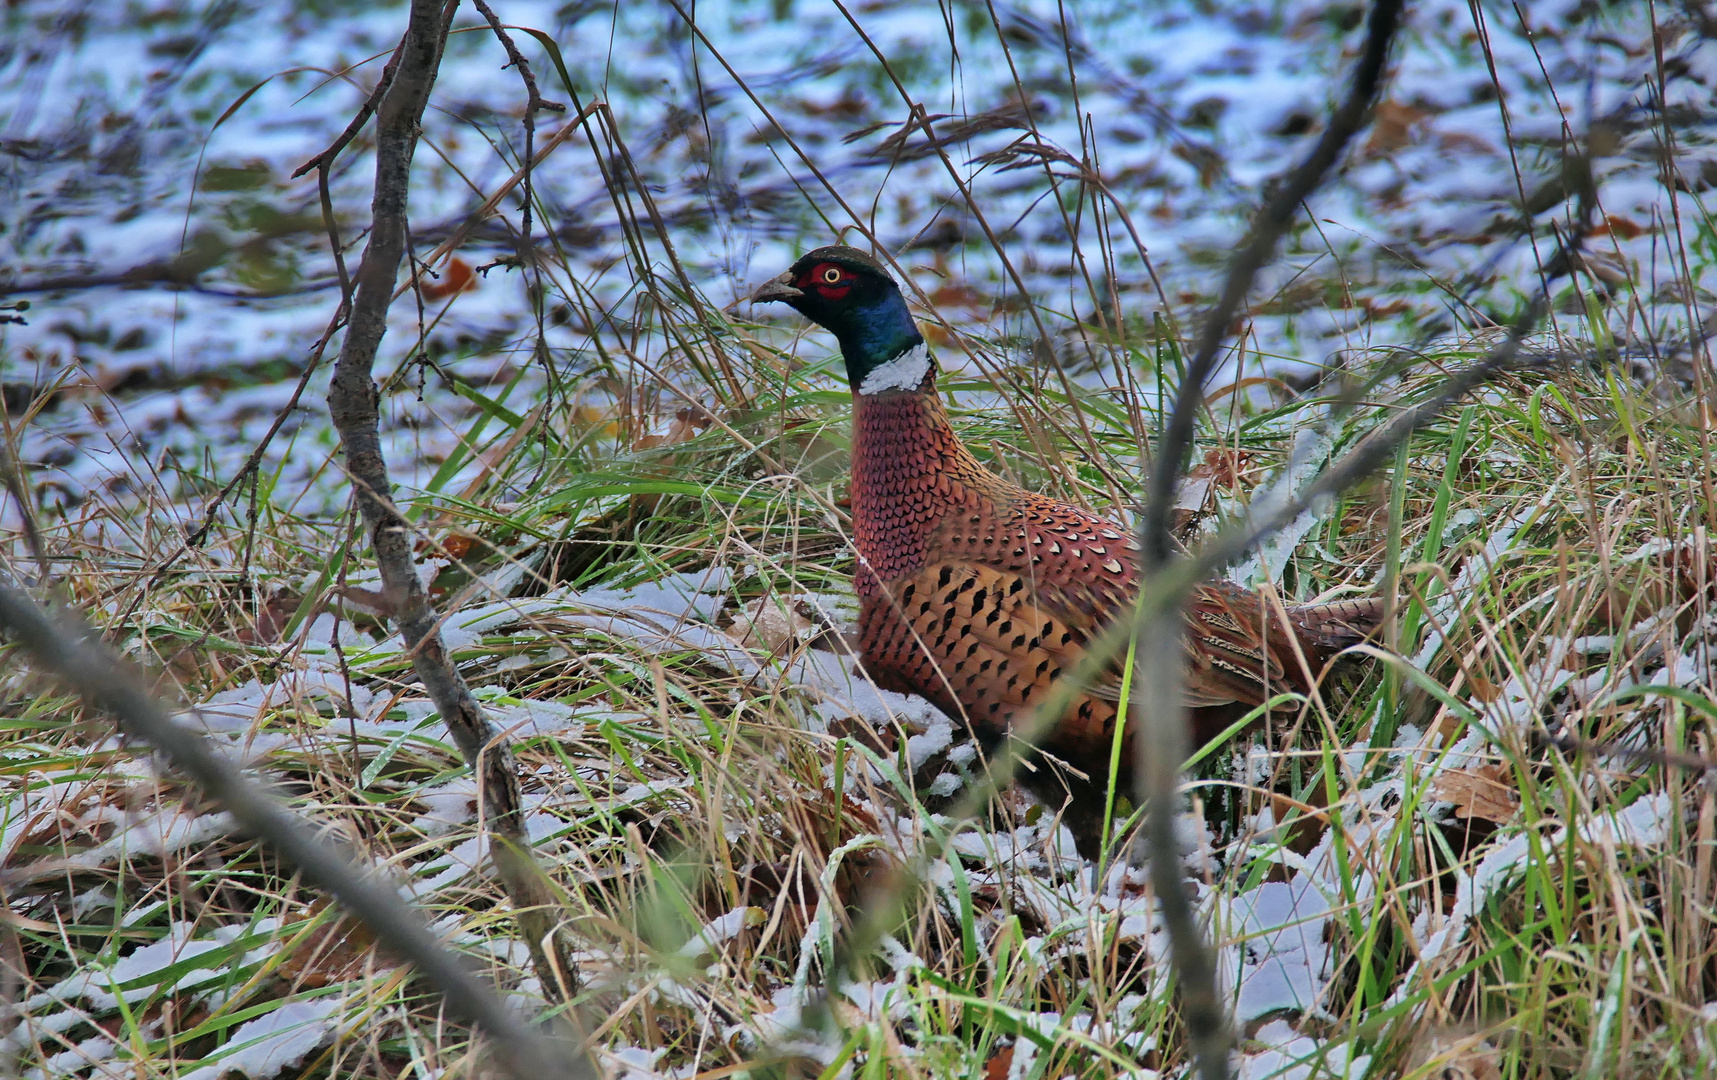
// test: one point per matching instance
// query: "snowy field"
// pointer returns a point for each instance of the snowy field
(116, 166)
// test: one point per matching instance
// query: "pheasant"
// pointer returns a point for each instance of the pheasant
(978, 594)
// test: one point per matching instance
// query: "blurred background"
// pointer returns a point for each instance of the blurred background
(1101, 156)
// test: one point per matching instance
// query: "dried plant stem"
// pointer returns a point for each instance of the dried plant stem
(71, 652)
(534, 103)
(353, 402)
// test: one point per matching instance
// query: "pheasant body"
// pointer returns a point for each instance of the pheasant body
(978, 594)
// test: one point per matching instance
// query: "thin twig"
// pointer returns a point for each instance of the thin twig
(334, 244)
(194, 539)
(323, 163)
(326, 158)
(534, 103)
(71, 652)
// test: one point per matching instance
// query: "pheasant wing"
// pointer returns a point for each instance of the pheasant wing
(994, 640)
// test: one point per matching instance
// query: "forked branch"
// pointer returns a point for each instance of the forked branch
(1158, 709)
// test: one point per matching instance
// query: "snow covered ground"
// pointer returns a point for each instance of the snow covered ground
(1279, 956)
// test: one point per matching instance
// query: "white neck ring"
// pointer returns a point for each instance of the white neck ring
(904, 372)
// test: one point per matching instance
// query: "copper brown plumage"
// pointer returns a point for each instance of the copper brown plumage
(979, 595)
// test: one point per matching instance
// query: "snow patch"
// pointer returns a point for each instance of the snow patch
(276, 1041)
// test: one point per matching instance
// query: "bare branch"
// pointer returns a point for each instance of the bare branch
(352, 402)
(71, 652)
(1160, 714)
(325, 159)
(534, 103)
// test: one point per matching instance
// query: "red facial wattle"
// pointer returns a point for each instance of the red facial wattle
(830, 281)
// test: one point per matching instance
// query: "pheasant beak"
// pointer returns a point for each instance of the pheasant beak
(777, 288)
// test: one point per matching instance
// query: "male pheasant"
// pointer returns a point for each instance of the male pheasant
(978, 594)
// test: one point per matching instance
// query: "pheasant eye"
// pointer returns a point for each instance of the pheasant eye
(832, 275)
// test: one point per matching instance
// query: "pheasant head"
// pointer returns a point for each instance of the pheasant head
(850, 294)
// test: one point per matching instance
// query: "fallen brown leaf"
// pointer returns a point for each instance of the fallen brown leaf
(1478, 793)
(456, 277)
(336, 951)
(1393, 126)
(455, 546)
(1617, 225)
(1485, 690)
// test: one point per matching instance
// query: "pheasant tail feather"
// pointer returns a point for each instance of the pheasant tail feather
(1339, 623)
